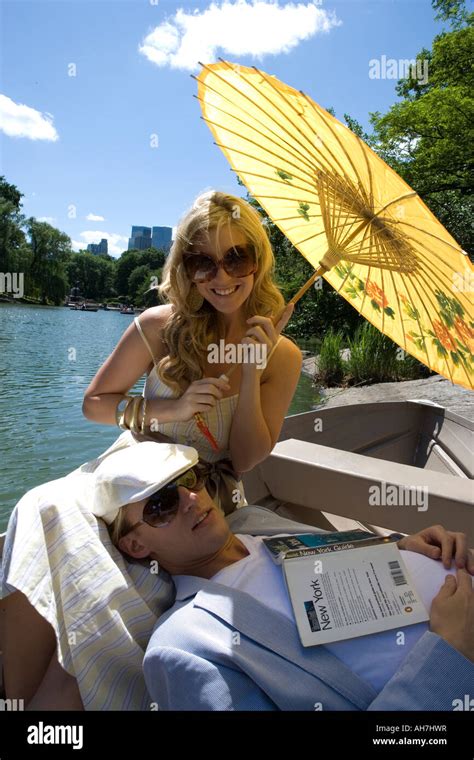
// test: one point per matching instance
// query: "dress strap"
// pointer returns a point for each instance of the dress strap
(140, 330)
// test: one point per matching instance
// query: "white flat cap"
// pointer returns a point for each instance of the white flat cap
(137, 471)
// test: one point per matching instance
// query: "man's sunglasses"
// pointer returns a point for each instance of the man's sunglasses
(237, 262)
(163, 505)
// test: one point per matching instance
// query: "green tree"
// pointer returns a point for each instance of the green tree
(453, 11)
(426, 137)
(130, 260)
(12, 237)
(95, 275)
(50, 249)
(139, 282)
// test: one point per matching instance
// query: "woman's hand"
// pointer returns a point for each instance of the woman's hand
(438, 543)
(264, 335)
(200, 396)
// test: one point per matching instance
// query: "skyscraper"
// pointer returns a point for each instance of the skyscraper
(161, 238)
(101, 247)
(140, 238)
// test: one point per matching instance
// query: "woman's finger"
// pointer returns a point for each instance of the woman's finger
(285, 317)
(266, 324)
(205, 390)
(260, 335)
(218, 383)
(202, 408)
(204, 398)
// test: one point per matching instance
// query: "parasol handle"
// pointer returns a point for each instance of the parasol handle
(319, 271)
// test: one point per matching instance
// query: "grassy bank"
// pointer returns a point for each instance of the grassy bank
(368, 357)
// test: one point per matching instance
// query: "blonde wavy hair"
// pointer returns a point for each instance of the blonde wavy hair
(188, 333)
(117, 527)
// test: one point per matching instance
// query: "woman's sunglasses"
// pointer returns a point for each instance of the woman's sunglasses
(163, 505)
(237, 262)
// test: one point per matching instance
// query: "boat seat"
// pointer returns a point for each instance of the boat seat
(304, 479)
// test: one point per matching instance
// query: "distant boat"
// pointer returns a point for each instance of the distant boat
(84, 306)
(127, 310)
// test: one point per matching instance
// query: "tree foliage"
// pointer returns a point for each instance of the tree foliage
(427, 136)
(43, 254)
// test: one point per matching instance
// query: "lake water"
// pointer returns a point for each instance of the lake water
(43, 434)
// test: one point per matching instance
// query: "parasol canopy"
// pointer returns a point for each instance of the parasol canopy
(348, 213)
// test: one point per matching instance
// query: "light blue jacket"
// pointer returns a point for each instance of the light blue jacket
(218, 648)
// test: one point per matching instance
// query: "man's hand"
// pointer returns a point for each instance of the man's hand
(452, 613)
(438, 543)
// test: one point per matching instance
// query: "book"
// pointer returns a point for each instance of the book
(285, 547)
(340, 593)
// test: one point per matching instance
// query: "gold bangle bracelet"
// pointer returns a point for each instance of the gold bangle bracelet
(121, 411)
(137, 400)
(142, 426)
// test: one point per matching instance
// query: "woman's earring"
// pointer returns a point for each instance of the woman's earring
(195, 299)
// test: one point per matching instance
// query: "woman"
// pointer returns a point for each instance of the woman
(218, 283)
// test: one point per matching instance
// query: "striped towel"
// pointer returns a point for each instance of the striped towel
(102, 607)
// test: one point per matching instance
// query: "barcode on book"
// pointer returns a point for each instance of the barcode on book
(397, 573)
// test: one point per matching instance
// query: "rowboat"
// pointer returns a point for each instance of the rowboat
(328, 463)
(326, 460)
(85, 306)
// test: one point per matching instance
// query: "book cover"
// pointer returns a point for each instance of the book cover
(343, 593)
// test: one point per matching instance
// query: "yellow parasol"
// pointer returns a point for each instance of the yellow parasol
(350, 215)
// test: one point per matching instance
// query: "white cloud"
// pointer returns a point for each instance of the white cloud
(116, 243)
(18, 120)
(256, 28)
(95, 218)
(78, 245)
(49, 219)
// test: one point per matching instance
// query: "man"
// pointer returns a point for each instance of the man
(229, 642)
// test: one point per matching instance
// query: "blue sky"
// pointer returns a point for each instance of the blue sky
(79, 147)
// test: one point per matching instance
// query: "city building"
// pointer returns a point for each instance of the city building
(96, 248)
(148, 237)
(140, 238)
(161, 237)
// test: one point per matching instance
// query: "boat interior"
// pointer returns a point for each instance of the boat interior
(326, 460)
